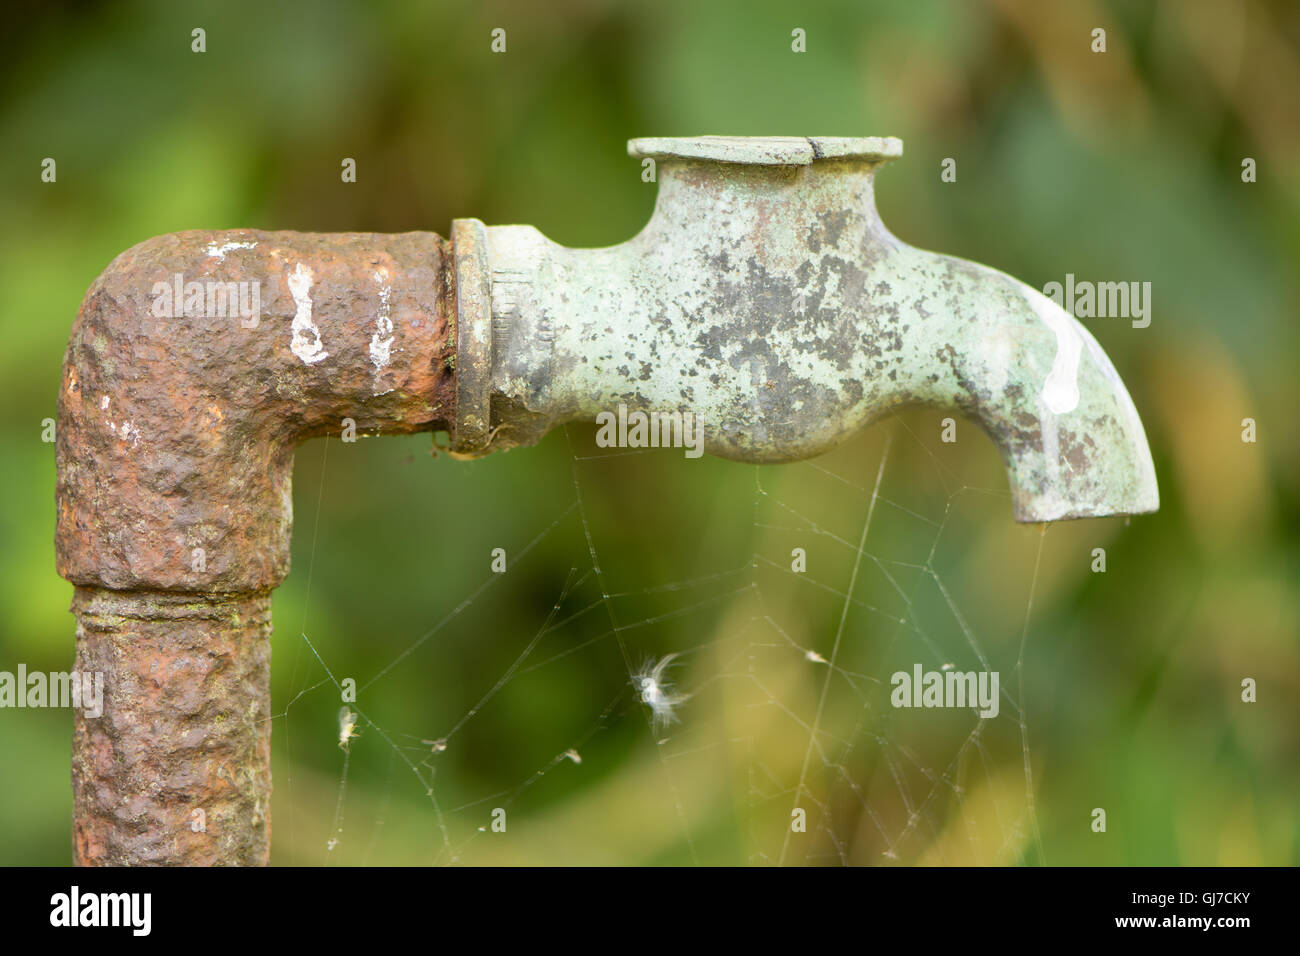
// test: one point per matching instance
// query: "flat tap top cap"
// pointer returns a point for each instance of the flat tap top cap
(768, 150)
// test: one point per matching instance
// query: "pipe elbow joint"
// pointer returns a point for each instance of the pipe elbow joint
(197, 363)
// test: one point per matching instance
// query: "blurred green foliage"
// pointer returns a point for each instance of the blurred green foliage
(1121, 166)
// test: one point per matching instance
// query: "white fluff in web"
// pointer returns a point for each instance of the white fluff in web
(657, 692)
(347, 727)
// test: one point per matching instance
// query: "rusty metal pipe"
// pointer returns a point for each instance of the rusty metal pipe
(176, 434)
(765, 297)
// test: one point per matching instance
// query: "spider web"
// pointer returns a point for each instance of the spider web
(788, 595)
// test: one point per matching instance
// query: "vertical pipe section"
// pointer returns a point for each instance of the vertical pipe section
(197, 364)
(177, 770)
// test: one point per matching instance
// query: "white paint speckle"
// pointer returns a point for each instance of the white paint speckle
(1061, 389)
(130, 432)
(305, 343)
(1051, 446)
(381, 342)
(103, 402)
(220, 250)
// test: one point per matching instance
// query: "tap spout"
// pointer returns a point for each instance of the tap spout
(766, 298)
